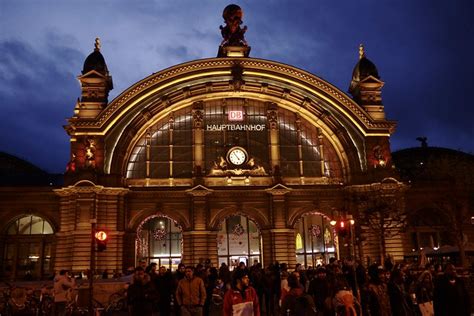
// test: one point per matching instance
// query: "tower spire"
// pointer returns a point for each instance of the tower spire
(361, 51)
(97, 44)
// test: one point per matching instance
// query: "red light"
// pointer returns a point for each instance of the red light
(101, 235)
(342, 224)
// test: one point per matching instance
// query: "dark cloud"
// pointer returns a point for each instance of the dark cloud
(37, 94)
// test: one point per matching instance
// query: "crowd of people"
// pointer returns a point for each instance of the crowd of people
(337, 288)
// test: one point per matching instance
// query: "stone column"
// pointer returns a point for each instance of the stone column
(198, 140)
(199, 246)
(272, 118)
(199, 243)
(279, 242)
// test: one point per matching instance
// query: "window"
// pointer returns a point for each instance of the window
(29, 225)
(238, 241)
(314, 240)
(27, 250)
(160, 241)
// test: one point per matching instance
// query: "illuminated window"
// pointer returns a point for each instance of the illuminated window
(238, 241)
(160, 241)
(299, 242)
(314, 240)
(166, 148)
(27, 248)
(29, 225)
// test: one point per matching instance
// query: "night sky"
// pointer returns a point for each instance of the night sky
(423, 49)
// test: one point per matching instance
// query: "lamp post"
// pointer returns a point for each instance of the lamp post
(92, 265)
(341, 227)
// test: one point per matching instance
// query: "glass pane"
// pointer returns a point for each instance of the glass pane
(254, 237)
(238, 235)
(36, 225)
(159, 248)
(299, 229)
(222, 243)
(165, 262)
(23, 250)
(34, 252)
(254, 259)
(174, 263)
(300, 260)
(47, 228)
(175, 244)
(24, 225)
(223, 260)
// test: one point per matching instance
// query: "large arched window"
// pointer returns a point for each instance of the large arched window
(238, 241)
(314, 240)
(27, 248)
(159, 239)
(166, 150)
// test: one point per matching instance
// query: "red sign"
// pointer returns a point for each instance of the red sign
(235, 116)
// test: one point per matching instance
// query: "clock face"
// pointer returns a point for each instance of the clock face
(237, 156)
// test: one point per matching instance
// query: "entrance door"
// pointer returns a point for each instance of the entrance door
(159, 239)
(239, 240)
(314, 239)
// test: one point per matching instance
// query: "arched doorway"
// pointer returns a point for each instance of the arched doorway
(238, 240)
(27, 248)
(159, 239)
(315, 240)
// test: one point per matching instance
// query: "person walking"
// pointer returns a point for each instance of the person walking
(191, 294)
(241, 299)
(63, 285)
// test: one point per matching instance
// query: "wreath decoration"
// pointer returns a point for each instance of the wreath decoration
(159, 234)
(238, 230)
(315, 230)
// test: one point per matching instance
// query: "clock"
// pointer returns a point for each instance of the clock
(237, 156)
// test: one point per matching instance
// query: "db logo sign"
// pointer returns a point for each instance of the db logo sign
(236, 116)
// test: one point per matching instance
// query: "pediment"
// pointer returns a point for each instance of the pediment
(278, 189)
(199, 190)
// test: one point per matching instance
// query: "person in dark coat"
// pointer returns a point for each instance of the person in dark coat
(296, 302)
(141, 294)
(164, 284)
(399, 299)
(450, 294)
(320, 291)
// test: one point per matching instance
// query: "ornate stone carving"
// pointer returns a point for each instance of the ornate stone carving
(198, 114)
(90, 153)
(251, 168)
(237, 77)
(272, 116)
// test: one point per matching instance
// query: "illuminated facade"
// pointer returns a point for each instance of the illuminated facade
(228, 159)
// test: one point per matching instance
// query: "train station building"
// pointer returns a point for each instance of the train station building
(226, 159)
